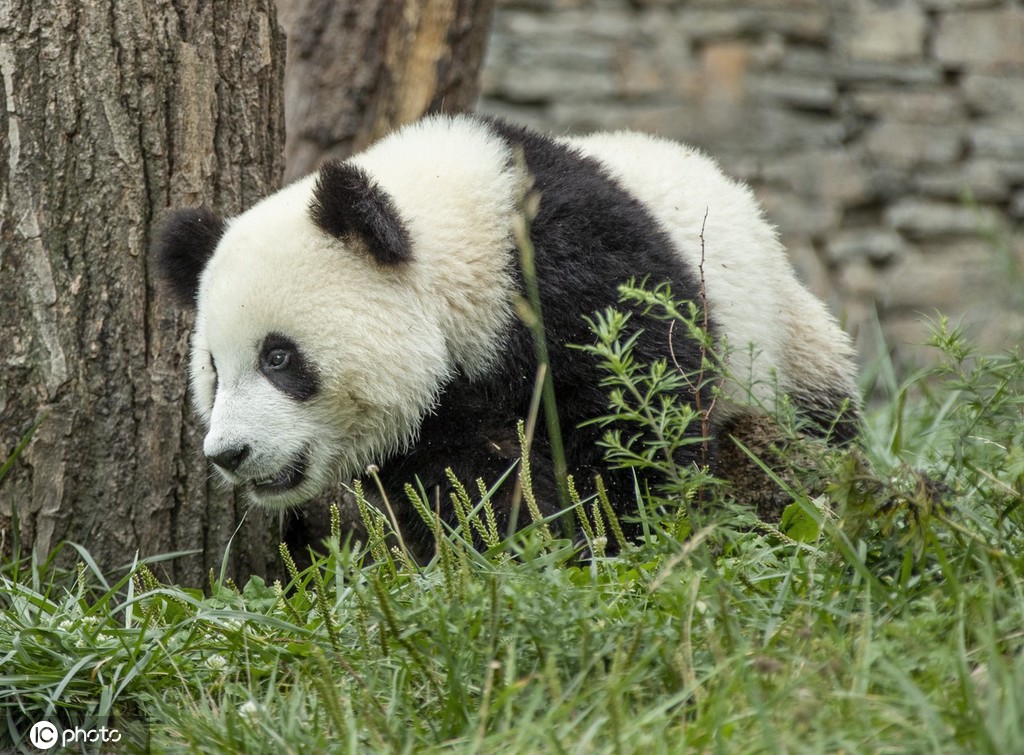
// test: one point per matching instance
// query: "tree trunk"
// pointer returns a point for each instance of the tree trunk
(359, 68)
(113, 111)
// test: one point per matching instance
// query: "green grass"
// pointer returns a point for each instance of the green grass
(885, 614)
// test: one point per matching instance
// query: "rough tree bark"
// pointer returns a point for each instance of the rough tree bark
(358, 68)
(111, 112)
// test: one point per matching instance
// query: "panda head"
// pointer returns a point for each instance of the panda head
(316, 349)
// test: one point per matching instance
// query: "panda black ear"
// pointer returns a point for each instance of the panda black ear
(181, 248)
(346, 202)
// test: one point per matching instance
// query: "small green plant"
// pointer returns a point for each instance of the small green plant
(650, 418)
(952, 433)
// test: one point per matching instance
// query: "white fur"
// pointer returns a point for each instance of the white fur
(383, 339)
(455, 186)
(780, 336)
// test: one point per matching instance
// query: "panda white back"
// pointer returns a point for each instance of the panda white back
(781, 338)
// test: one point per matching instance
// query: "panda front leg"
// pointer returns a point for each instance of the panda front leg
(490, 453)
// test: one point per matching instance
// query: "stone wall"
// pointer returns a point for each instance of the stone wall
(885, 138)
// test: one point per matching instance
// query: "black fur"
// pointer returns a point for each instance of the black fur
(347, 203)
(287, 368)
(828, 413)
(183, 244)
(589, 236)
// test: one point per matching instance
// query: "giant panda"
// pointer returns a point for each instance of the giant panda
(366, 315)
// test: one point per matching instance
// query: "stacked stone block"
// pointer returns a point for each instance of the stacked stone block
(885, 138)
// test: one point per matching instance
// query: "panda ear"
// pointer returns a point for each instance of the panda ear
(347, 202)
(181, 248)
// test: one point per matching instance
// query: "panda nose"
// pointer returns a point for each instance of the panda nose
(230, 458)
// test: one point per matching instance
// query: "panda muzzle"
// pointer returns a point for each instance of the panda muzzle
(291, 476)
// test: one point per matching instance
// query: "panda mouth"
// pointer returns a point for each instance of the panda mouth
(290, 477)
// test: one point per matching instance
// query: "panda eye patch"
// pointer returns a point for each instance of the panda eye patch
(283, 364)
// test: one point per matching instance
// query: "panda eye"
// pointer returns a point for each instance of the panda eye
(277, 359)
